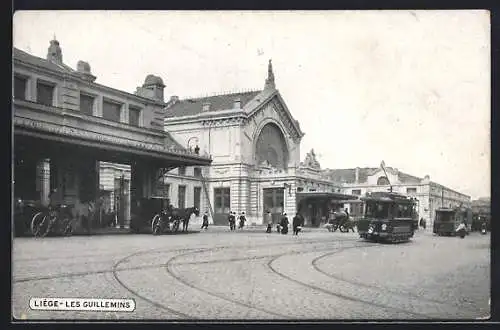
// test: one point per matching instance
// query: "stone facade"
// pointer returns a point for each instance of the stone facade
(255, 145)
(54, 101)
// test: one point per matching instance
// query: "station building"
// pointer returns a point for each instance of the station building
(236, 152)
(82, 140)
(254, 142)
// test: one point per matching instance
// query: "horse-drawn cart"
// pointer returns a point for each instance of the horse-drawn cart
(340, 220)
(156, 215)
(144, 210)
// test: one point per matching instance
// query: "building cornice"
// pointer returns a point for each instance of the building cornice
(75, 77)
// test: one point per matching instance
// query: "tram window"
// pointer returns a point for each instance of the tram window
(404, 211)
(377, 210)
(44, 93)
(444, 216)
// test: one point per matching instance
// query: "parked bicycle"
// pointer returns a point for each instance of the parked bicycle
(52, 220)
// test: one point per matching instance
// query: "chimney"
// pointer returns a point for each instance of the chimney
(237, 103)
(152, 88)
(83, 68)
(206, 106)
(356, 175)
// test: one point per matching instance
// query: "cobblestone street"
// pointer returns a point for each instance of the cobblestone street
(217, 274)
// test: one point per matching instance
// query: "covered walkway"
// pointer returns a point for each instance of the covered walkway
(316, 207)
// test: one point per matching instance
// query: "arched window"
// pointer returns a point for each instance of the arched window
(271, 147)
(383, 181)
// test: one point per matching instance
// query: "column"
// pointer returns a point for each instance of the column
(31, 89)
(253, 203)
(126, 204)
(290, 200)
(43, 180)
(124, 114)
(146, 182)
(97, 109)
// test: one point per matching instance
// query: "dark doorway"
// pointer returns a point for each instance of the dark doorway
(222, 205)
(274, 202)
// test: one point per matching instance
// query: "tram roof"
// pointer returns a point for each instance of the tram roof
(326, 194)
(445, 209)
(382, 196)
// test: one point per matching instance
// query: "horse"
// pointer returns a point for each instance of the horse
(184, 215)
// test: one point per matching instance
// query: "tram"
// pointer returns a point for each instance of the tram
(388, 216)
(446, 220)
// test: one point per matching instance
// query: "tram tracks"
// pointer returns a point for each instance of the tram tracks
(149, 251)
(315, 265)
(178, 277)
(338, 294)
(174, 261)
(169, 268)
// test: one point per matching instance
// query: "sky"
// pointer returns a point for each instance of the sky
(411, 88)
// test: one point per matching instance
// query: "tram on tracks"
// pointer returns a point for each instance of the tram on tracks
(388, 217)
(447, 220)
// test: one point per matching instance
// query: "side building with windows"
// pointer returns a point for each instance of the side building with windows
(87, 142)
(430, 195)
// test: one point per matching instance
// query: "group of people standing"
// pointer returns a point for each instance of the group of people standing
(282, 227)
(232, 220)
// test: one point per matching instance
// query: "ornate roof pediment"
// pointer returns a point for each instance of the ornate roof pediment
(274, 99)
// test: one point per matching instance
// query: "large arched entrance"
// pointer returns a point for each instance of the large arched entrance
(271, 150)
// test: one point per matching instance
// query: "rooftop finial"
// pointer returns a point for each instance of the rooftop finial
(54, 53)
(270, 76)
(54, 37)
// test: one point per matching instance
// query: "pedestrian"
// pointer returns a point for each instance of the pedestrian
(461, 229)
(242, 220)
(424, 223)
(267, 217)
(269, 228)
(297, 223)
(205, 221)
(232, 220)
(284, 224)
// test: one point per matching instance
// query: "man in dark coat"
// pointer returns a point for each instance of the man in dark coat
(242, 220)
(284, 224)
(232, 221)
(297, 223)
(205, 221)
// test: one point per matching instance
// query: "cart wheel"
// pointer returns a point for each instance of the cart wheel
(40, 225)
(155, 225)
(68, 230)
